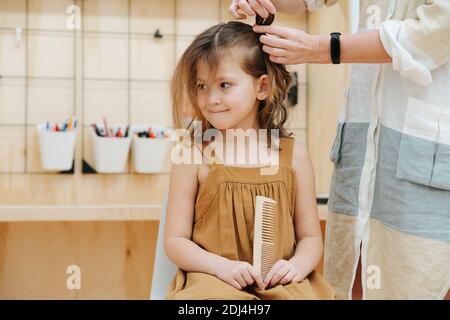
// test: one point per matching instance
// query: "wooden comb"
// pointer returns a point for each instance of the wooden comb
(264, 238)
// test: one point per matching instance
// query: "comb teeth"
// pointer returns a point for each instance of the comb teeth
(264, 234)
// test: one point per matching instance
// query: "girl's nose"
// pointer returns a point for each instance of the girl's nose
(214, 97)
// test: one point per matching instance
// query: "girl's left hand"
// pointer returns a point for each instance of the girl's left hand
(292, 46)
(283, 272)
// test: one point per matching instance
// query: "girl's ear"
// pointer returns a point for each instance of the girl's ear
(262, 86)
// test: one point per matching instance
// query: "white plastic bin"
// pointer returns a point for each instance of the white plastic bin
(57, 148)
(110, 153)
(150, 154)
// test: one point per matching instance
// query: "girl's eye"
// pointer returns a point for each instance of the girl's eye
(225, 85)
(201, 86)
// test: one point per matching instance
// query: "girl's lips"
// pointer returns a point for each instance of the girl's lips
(218, 111)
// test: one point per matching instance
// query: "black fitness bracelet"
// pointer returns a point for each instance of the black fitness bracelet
(335, 47)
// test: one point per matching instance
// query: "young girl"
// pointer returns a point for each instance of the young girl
(230, 83)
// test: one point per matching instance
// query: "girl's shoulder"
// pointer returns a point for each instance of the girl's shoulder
(300, 155)
(185, 160)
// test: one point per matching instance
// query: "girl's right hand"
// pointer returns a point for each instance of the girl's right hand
(240, 9)
(239, 274)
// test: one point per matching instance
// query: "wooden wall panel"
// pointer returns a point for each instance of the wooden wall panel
(103, 51)
(105, 99)
(302, 72)
(182, 43)
(298, 112)
(12, 13)
(12, 101)
(152, 58)
(48, 14)
(105, 56)
(49, 99)
(50, 55)
(149, 15)
(150, 103)
(327, 84)
(12, 54)
(105, 15)
(12, 149)
(115, 258)
(195, 16)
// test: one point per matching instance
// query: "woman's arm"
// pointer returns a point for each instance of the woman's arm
(293, 46)
(356, 48)
(290, 6)
(179, 223)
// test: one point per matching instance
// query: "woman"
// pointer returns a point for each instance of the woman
(390, 195)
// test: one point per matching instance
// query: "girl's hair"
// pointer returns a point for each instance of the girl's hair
(208, 47)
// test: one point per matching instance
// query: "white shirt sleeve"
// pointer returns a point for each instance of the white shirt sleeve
(313, 5)
(419, 46)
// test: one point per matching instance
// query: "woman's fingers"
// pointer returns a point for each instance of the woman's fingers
(245, 6)
(280, 60)
(278, 48)
(276, 52)
(276, 42)
(258, 8)
(236, 12)
(268, 5)
(240, 9)
(282, 32)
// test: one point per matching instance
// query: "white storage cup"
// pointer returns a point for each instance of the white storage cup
(150, 154)
(110, 153)
(57, 148)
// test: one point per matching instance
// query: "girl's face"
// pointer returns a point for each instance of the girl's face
(230, 98)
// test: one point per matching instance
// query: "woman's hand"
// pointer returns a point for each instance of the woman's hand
(283, 272)
(293, 46)
(239, 274)
(240, 9)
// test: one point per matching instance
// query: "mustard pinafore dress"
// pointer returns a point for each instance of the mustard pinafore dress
(223, 224)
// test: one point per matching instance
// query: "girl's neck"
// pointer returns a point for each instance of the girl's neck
(244, 143)
(251, 130)
(249, 122)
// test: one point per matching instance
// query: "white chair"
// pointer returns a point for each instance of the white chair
(164, 270)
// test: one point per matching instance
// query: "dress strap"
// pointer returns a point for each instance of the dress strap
(286, 152)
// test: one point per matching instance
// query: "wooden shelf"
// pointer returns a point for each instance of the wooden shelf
(21, 213)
